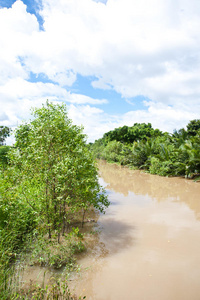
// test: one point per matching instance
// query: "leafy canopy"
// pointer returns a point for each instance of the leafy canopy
(53, 154)
(4, 133)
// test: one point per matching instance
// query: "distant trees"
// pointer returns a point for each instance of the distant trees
(143, 147)
(126, 134)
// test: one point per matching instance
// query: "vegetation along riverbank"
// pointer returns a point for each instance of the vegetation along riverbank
(49, 187)
(142, 147)
(48, 183)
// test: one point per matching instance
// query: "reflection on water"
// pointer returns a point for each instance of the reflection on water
(118, 235)
(148, 241)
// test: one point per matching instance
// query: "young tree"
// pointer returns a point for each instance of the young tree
(53, 155)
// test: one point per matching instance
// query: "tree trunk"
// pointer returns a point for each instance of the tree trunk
(84, 211)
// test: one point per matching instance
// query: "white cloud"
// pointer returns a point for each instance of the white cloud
(18, 88)
(81, 99)
(18, 96)
(149, 48)
(17, 27)
(162, 116)
(94, 120)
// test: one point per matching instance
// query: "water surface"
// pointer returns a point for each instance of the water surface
(148, 245)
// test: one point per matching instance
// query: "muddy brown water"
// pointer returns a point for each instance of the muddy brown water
(148, 242)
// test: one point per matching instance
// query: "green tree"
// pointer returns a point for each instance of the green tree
(22, 136)
(49, 176)
(55, 157)
(112, 151)
(159, 153)
(191, 152)
(179, 137)
(193, 127)
(143, 151)
(138, 131)
(4, 156)
(4, 133)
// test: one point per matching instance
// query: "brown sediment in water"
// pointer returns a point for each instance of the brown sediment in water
(149, 239)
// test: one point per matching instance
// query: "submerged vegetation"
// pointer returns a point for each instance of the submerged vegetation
(48, 180)
(143, 147)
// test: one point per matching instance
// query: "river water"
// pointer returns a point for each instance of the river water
(148, 242)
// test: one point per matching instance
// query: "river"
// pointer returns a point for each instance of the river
(148, 242)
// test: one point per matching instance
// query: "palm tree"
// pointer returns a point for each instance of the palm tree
(143, 151)
(191, 148)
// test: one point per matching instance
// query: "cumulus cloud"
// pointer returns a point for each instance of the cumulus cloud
(94, 120)
(17, 28)
(18, 96)
(137, 47)
(162, 116)
(149, 48)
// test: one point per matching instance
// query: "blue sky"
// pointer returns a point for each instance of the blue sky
(113, 63)
(32, 7)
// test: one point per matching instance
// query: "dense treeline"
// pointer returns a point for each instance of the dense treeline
(143, 147)
(46, 179)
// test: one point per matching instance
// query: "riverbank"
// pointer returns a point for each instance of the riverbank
(194, 177)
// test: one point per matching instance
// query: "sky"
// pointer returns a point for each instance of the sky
(113, 62)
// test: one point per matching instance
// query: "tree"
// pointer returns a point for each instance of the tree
(143, 150)
(4, 133)
(191, 149)
(4, 156)
(125, 134)
(22, 136)
(179, 137)
(193, 127)
(53, 156)
(113, 151)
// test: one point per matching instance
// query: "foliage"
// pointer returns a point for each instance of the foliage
(50, 176)
(125, 134)
(4, 133)
(47, 252)
(54, 156)
(143, 151)
(4, 156)
(159, 153)
(112, 151)
(193, 127)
